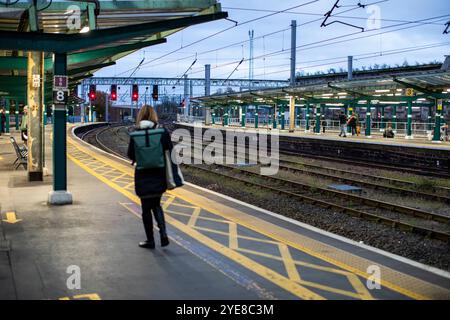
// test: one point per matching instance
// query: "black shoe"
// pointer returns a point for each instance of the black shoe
(164, 241)
(147, 245)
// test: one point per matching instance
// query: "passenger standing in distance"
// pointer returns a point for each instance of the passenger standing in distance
(343, 124)
(151, 184)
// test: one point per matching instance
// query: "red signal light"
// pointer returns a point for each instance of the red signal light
(114, 92)
(135, 95)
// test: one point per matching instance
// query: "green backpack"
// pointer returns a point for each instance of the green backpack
(148, 149)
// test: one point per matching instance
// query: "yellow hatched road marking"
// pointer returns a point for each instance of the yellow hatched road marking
(194, 217)
(289, 263)
(234, 244)
(323, 255)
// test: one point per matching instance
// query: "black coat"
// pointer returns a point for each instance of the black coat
(150, 182)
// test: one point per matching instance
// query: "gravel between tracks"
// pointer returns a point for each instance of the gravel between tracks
(428, 251)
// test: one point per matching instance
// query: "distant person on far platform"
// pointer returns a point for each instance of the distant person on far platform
(24, 125)
(343, 124)
(389, 132)
(352, 124)
(358, 125)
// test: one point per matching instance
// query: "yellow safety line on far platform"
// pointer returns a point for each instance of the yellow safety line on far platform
(351, 272)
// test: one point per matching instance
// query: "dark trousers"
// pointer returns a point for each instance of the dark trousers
(149, 206)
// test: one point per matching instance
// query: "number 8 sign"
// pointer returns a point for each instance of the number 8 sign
(60, 97)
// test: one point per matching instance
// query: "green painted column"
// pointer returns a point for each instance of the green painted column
(256, 117)
(213, 115)
(318, 115)
(283, 117)
(430, 119)
(409, 131)
(45, 115)
(369, 120)
(298, 116)
(394, 119)
(437, 125)
(307, 118)
(383, 119)
(59, 195)
(7, 113)
(244, 116)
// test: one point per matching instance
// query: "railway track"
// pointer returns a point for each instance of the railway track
(396, 186)
(422, 222)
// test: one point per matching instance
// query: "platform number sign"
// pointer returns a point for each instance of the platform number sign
(60, 96)
(410, 92)
(60, 90)
(440, 105)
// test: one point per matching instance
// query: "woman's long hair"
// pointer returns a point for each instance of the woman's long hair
(147, 113)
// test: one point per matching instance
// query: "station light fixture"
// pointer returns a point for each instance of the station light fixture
(114, 92)
(135, 93)
(92, 92)
(382, 91)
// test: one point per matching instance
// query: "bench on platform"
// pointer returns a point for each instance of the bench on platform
(21, 153)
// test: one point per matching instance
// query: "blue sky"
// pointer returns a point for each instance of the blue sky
(374, 49)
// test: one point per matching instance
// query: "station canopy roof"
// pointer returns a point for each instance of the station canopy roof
(425, 86)
(94, 34)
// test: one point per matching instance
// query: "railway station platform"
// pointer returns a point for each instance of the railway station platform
(220, 248)
(416, 154)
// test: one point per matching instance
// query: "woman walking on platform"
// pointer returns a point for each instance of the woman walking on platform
(150, 142)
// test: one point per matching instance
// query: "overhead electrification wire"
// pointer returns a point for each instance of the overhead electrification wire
(229, 28)
(235, 69)
(322, 43)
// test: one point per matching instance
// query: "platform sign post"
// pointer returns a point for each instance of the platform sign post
(437, 125)
(307, 118)
(369, 120)
(394, 119)
(59, 195)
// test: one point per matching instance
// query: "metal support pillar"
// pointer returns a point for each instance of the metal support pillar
(318, 115)
(383, 119)
(307, 118)
(244, 116)
(35, 94)
(349, 115)
(369, 120)
(107, 108)
(350, 68)
(207, 80)
(256, 117)
(186, 96)
(293, 51)
(225, 117)
(292, 112)
(283, 117)
(409, 129)
(437, 125)
(60, 195)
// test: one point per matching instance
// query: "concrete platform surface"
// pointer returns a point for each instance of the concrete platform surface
(221, 248)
